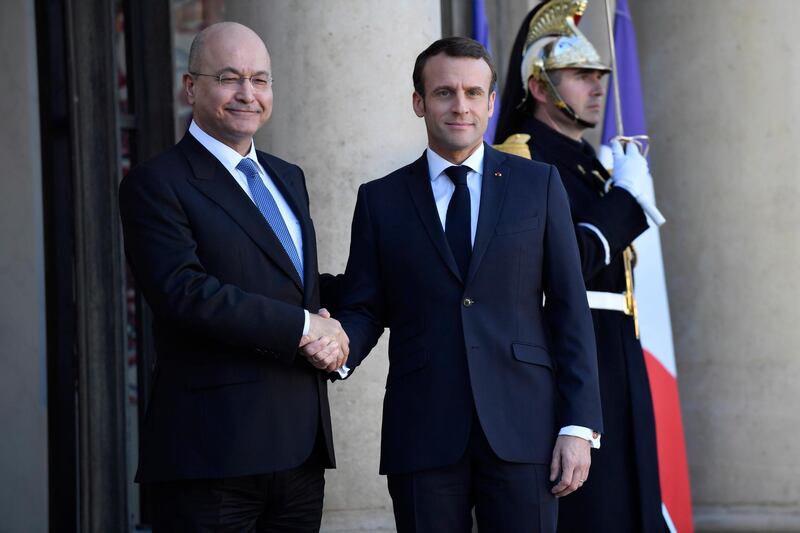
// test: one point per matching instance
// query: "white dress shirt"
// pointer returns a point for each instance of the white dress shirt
(443, 189)
(443, 186)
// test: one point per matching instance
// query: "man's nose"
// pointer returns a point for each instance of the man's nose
(460, 103)
(245, 91)
(597, 88)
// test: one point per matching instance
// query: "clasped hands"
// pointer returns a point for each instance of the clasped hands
(326, 346)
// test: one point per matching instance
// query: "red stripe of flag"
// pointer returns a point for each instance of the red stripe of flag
(672, 465)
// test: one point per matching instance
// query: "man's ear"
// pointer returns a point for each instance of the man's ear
(537, 90)
(418, 101)
(188, 86)
(492, 98)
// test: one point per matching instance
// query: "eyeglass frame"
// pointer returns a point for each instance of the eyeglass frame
(239, 80)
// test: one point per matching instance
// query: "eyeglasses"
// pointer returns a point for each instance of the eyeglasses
(259, 82)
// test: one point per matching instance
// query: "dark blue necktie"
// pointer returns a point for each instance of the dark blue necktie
(266, 204)
(457, 225)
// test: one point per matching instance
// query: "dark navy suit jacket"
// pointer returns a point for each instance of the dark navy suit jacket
(482, 343)
(230, 397)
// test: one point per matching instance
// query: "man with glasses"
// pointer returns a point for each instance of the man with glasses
(219, 238)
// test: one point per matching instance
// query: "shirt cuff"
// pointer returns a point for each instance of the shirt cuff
(585, 433)
(594, 229)
(343, 372)
(306, 322)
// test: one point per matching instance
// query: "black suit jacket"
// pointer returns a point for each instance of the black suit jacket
(230, 395)
(482, 343)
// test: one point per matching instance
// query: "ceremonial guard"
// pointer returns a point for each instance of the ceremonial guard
(553, 93)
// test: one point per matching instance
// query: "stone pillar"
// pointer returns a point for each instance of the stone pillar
(343, 112)
(23, 380)
(505, 16)
(720, 79)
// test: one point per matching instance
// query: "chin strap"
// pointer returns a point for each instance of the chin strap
(562, 104)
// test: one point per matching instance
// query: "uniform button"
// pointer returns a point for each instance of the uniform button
(468, 302)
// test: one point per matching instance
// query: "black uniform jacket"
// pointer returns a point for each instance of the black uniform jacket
(623, 492)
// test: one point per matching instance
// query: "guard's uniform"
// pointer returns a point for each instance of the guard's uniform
(622, 492)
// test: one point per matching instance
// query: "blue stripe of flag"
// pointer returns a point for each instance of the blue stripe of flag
(480, 32)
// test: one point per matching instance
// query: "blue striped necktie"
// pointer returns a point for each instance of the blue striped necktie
(266, 204)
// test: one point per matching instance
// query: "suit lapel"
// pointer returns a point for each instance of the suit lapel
(213, 180)
(295, 196)
(419, 185)
(493, 190)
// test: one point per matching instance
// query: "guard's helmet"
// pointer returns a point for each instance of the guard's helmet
(554, 42)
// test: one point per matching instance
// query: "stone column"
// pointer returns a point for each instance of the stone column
(343, 113)
(23, 380)
(720, 80)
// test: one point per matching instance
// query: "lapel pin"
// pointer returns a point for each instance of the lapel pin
(498, 173)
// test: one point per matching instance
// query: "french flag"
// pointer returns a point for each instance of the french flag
(651, 296)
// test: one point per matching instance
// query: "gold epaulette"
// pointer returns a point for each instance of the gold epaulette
(516, 144)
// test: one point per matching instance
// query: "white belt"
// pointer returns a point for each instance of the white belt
(610, 301)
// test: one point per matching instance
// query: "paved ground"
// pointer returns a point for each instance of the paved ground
(368, 521)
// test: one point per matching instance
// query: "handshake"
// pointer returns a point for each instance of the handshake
(326, 345)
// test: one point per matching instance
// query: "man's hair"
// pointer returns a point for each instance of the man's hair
(195, 51)
(528, 104)
(452, 47)
(555, 76)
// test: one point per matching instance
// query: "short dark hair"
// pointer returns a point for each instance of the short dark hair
(452, 47)
(528, 104)
(555, 76)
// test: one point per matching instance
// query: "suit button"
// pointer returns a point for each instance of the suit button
(468, 302)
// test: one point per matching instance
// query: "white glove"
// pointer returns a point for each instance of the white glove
(606, 157)
(632, 173)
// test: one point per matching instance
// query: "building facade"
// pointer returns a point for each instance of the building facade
(91, 88)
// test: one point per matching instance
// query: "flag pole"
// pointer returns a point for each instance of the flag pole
(648, 206)
(614, 79)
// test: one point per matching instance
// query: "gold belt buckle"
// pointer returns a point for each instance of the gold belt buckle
(630, 303)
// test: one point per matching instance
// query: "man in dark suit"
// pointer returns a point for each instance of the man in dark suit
(218, 235)
(454, 252)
